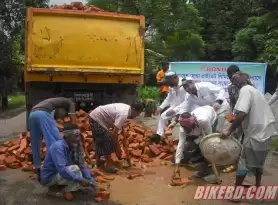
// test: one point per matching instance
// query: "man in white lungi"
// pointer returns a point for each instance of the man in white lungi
(254, 114)
(176, 96)
(201, 94)
(193, 126)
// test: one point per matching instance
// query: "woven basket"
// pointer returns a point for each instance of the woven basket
(221, 152)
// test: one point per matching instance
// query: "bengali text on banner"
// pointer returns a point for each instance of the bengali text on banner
(216, 72)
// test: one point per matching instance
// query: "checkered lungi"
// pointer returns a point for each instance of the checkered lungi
(103, 141)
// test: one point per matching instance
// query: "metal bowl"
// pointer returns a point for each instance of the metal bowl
(218, 151)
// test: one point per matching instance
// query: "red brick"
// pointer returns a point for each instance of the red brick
(148, 133)
(162, 155)
(16, 141)
(170, 157)
(105, 195)
(2, 159)
(136, 153)
(14, 165)
(23, 145)
(139, 130)
(100, 179)
(10, 160)
(6, 144)
(134, 145)
(168, 149)
(146, 158)
(2, 167)
(154, 150)
(68, 196)
(15, 147)
(3, 150)
(179, 181)
(27, 168)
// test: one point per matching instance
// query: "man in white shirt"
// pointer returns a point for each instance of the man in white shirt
(201, 94)
(175, 97)
(254, 114)
(193, 126)
(106, 121)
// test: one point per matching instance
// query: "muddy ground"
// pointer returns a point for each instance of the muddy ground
(17, 188)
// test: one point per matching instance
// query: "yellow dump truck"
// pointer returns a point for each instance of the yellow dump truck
(94, 58)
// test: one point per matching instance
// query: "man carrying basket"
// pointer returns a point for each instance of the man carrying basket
(253, 113)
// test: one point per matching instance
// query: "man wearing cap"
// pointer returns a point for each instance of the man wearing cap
(201, 94)
(193, 126)
(60, 169)
(176, 96)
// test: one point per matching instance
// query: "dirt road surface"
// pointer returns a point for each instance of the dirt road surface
(17, 188)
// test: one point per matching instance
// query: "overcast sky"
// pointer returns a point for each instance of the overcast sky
(65, 1)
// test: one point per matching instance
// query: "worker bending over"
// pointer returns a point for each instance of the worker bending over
(176, 95)
(59, 169)
(42, 124)
(201, 94)
(253, 113)
(193, 126)
(106, 121)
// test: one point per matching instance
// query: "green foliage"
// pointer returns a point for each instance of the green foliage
(16, 100)
(274, 144)
(257, 41)
(271, 47)
(221, 19)
(172, 27)
(148, 92)
(12, 22)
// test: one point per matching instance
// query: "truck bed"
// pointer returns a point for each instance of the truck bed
(70, 41)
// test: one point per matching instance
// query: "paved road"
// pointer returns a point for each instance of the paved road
(11, 127)
(16, 188)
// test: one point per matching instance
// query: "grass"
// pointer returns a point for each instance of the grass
(274, 144)
(16, 100)
(148, 92)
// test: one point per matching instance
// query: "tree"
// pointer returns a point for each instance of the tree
(172, 26)
(12, 23)
(258, 40)
(221, 20)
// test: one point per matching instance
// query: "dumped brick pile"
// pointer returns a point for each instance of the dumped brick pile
(133, 139)
(17, 154)
(77, 6)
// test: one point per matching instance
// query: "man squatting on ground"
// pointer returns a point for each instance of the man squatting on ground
(175, 97)
(253, 113)
(42, 124)
(193, 126)
(59, 168)
(106, 121)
